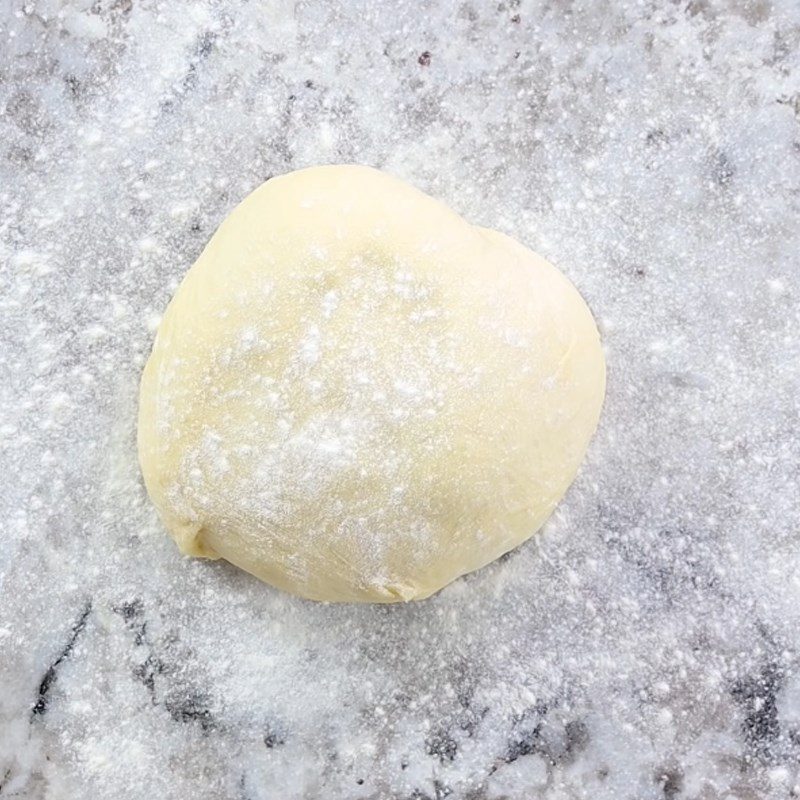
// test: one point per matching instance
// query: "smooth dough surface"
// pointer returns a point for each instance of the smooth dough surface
(356, 395)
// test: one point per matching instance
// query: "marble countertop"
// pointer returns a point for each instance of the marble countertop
(646, 644)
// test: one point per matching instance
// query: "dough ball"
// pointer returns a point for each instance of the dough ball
(355, 395)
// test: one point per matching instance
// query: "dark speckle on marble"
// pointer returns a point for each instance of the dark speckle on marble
(190, 707)
(273, 738)
(670, 781)
(757, 695)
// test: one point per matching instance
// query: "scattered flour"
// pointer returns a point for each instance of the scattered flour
(646, 644)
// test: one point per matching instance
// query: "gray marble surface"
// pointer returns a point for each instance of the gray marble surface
(647, 643)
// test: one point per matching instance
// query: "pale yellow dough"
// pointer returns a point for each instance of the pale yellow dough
(355, 395)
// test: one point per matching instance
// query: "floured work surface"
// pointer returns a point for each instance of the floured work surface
(646, 643)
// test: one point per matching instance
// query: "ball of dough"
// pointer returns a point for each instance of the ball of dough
(355, 395)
